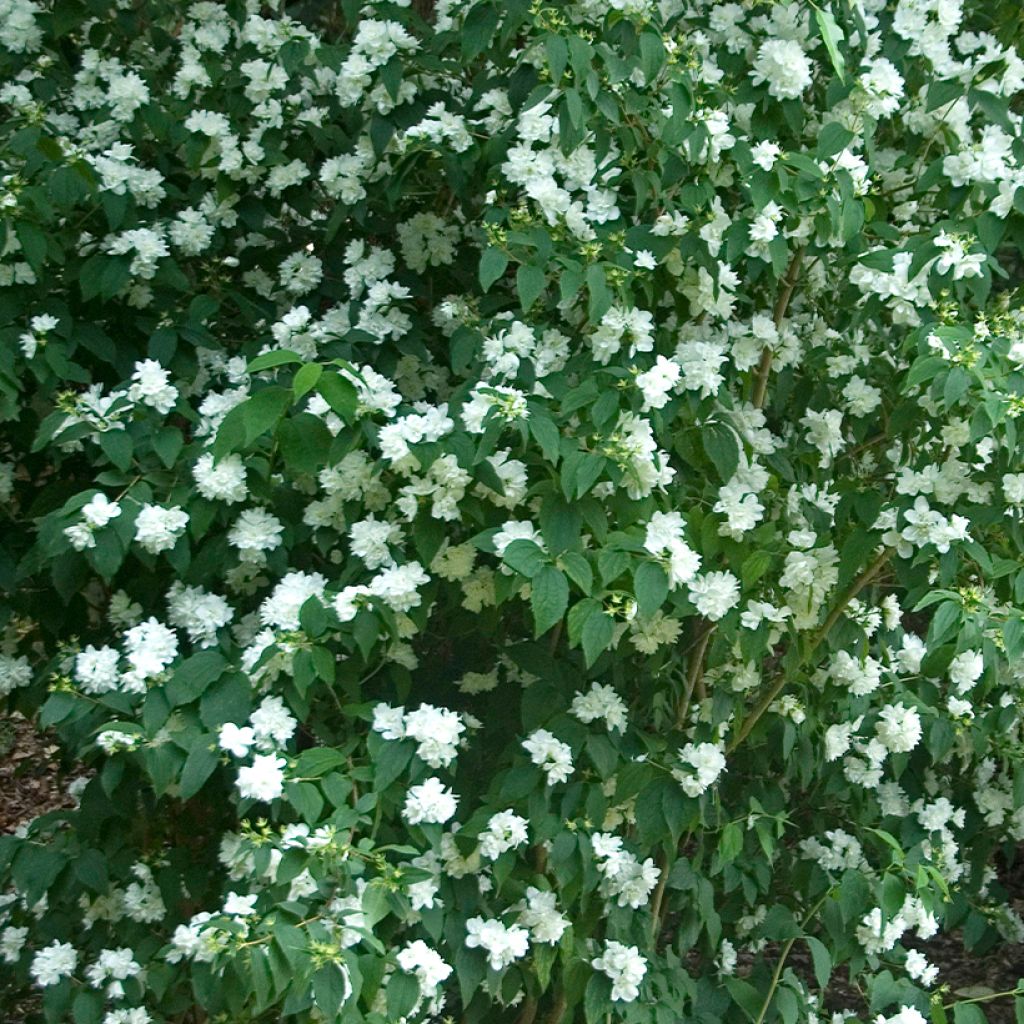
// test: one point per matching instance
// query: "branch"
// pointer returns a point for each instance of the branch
(657, 916)
(781, 305)
(558, 1010)
(696, 672)
(529, 1011)
(845, 598)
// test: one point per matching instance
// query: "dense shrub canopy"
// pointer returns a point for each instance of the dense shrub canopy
(514, 509)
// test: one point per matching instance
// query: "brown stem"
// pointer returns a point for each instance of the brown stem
(540, 859)
(555, 1016)
(528, 1012)
(556, 635)
(657, 904)
(778, 315)
(695, 674)
(847, 596)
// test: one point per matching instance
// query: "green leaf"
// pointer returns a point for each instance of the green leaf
(832, 139)
(596, 636)
(493, 264)
(168, 444)
(530, 283)
(199, 765)
(306, 798)
(525, 557)
(722, 447)
(477, 29)
(652, 55)
(547, 435)
(822, 961)
(596, 999)
(578, 616)
(255, 416)
(600, 297)
(549, 598)
(651, 585)
(305, 442)
(748, 998)
(578, 569)
(305, 379)
(117, 446)
(340, 394)
(267, 361)
(832, 36)
(194, 675)
(330, 989)
(968, 1013)
(558, 55)
(944, 622)
(731, 843)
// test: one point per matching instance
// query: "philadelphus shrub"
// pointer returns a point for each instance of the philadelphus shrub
(513, 511)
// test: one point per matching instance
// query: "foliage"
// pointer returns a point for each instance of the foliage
(513, 506)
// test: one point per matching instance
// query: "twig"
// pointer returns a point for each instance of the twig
(781, 305)
(555, 1016)
(847, 596)
(528, 1012)
(659, 896)
(556, 635)
(696, 672)
(782, 959)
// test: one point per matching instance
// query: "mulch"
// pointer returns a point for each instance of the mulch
(31, 781)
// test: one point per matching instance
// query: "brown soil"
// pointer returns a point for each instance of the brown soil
(30, 778)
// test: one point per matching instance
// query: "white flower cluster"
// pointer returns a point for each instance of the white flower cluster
(624, 878)
(701, 765)
(437, 732)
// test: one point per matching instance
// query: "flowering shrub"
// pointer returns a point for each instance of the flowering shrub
(515, 508)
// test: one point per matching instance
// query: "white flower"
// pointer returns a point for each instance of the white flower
(99, 511)
(56, 961)
(12, 942)
(396, 586)
(437, 732)
(505, 831)
(705, 762)
(389, 722)
(906, 1015)
(550, 754)
(657, 383)
(898, 728)
(223, 481)
(236, 740)
(503, 944)
(158, 529)
(714, 594)
(240, 906)
(540, 915)
(783, 64)
(428, 966)
(965, 670)
(272, 724)
(429, 803)
(643, 259)
(263, 779)
(255, 532)
(150, 386)
(626, 968)
(96, 669)
(600, 701)
(917, 967)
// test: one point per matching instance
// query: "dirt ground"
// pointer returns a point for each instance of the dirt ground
(31, 784)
